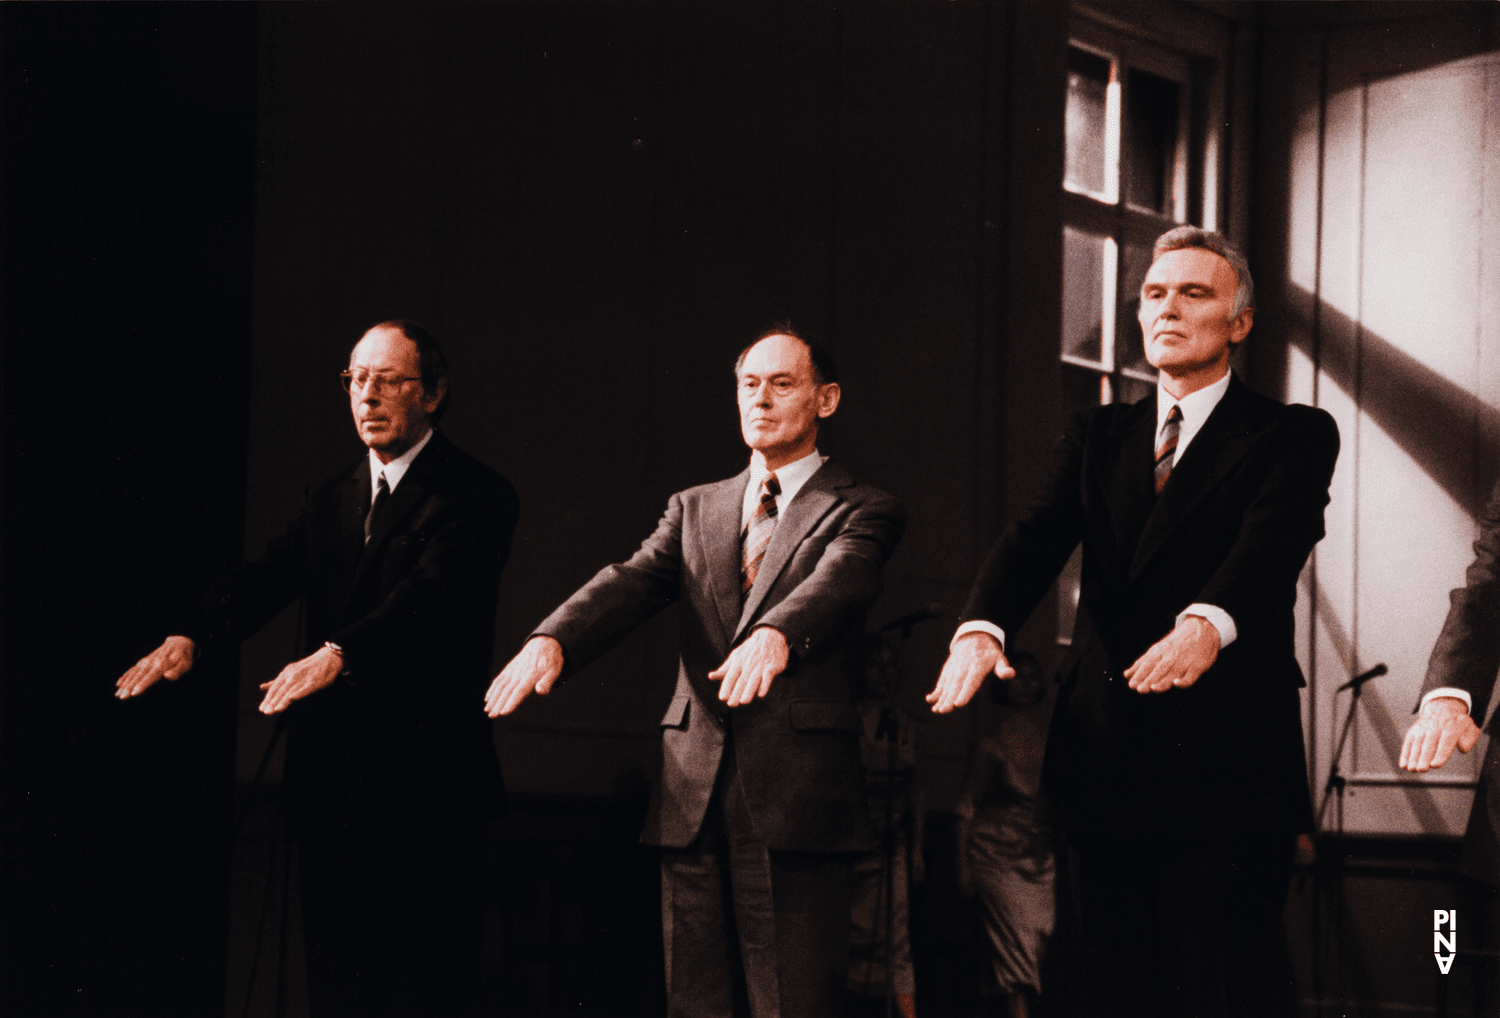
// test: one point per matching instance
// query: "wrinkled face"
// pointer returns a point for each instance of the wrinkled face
(1187, 304)
(781, 401)
(390, 416)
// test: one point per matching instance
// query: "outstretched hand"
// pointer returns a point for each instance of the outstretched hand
(301, 678)
(974, 657)
(1177, 659)
(750, 667)
(1443, 725)
(171, 661)
(533, 670)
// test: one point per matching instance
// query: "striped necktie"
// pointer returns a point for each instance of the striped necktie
(1168, 447)
(758, 533)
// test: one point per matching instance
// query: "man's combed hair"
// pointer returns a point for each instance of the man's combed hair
(1193, 236)
(824, 368)
(431, 364)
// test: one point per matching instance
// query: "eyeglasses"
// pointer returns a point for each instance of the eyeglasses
(360, 382)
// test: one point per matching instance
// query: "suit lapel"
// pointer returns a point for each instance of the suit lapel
(1217, 449)
(353, 508)
(1131, 490)
(813, 501)
(719, 536)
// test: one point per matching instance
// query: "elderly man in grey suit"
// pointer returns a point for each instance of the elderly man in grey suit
(761, 797)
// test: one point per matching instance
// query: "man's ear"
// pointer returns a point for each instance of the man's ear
(430, 403)
(1239, 326)
(828, 399)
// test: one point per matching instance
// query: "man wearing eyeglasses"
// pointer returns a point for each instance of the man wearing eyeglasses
(390, 774)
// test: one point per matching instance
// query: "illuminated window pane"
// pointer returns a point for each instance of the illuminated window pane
(1086, 117)
(1083, 283)
(1130, 351)
(1149, 163)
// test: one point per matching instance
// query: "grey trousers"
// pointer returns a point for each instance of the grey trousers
(749, 930)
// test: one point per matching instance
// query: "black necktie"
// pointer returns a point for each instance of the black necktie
(382, 496)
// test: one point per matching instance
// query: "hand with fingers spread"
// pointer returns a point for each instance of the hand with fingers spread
(974, 657)
(172, 660)
(750, 667)
(533, 670)
(1177, 659)
(1442, 725)
(301, 678)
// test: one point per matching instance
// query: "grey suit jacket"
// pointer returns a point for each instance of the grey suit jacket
(1467, 656)
(797, 749)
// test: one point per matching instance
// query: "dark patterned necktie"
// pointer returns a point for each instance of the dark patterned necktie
(382, 496)
(1168, 447)
(758, 533)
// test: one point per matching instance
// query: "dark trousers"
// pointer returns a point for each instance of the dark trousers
(393, 919)
(750, 930)
(1186, 928)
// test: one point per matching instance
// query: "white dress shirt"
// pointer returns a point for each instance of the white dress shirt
(1456, 693)
(396, 468)
(1195, 407)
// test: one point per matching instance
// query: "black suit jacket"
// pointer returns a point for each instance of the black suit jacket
(398, 738)
(1467, 656)
(1232, 528)
(798, 748)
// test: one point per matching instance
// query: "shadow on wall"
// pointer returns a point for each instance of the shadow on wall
(1420, 409)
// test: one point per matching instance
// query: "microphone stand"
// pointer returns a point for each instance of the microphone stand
(1336, 784)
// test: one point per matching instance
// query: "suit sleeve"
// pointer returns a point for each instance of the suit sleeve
(452, 584)
(620, 597)
(846, 580)
(1467, 653)
(1280, 526)
(249, 595)
(1033, 550)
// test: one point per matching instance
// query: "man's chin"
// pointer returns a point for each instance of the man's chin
(382, 445)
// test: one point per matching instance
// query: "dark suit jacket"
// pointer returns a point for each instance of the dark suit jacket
(1233, 527)
(798, 748)
(1467, 656)
(399, 738)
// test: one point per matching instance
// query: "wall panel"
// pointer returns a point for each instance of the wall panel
(1376, 286)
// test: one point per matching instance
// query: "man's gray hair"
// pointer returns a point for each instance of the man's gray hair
(1193, 236)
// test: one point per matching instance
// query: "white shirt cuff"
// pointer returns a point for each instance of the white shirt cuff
(1457, 694)
(979, 626)
(1216, 617)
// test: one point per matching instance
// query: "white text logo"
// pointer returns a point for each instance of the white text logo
(1444, 917)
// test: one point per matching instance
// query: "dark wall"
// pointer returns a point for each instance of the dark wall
(128, 140)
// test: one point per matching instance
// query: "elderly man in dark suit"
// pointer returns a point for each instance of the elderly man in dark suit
(390, 776)
(761, 798)
(1175, 761)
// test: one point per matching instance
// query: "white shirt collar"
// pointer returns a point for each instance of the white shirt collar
(396, 468)
(1195, 407)
(791, 478)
